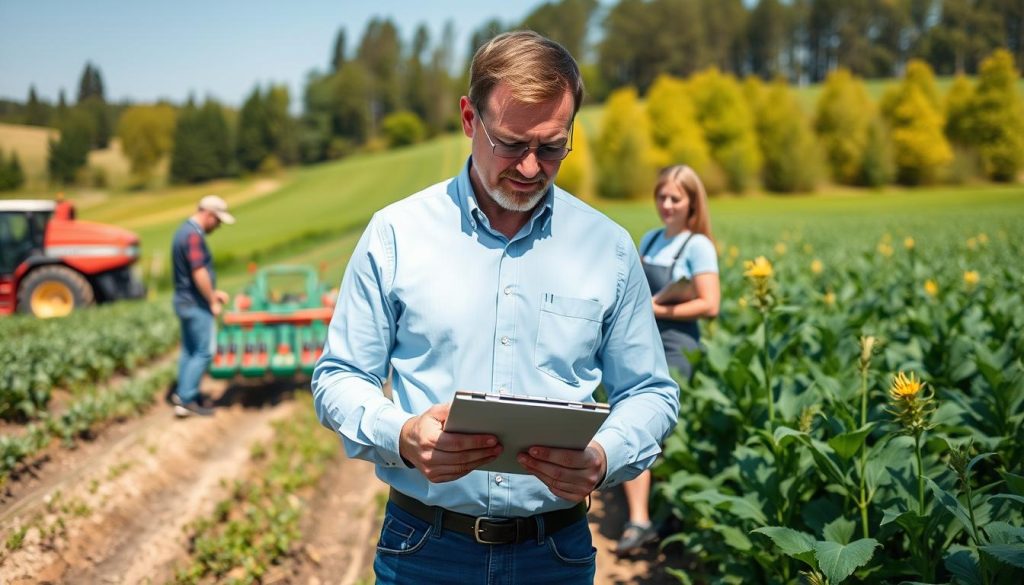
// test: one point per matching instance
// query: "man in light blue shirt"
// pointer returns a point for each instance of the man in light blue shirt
(495, 281)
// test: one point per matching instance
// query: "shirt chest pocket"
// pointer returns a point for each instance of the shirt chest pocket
(567, 336)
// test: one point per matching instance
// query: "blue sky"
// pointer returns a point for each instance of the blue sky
(147, 50)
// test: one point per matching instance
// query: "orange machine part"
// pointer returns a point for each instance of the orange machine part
(297, 317)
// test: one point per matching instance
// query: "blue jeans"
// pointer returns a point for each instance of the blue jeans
(413, 551)
(196, 343)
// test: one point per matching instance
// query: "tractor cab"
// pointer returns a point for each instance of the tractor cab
(52, 264)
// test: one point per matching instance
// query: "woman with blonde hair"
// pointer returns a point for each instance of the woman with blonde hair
(681, 266)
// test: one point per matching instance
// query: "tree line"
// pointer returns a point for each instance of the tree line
(739, 134)
(380, 90)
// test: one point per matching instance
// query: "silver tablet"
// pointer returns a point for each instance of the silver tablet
(521, 422)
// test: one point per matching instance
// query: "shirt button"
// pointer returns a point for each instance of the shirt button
(508, 290)
(499, 479)
(506, 340)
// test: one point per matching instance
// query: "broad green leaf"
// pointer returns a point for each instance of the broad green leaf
(784, 436)
(794, 543)
(1011, 497)
(976, 459)
(840, 530)
(951, 504)
(839, 561)
(963, 564)
(825, 463)
(734, 537)
(1014, 482)
(846, 445)
(1003, 533)
(910, 520)
(739, 507)
(1011, 554)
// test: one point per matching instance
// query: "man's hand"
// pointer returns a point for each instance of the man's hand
(569, 474)
(216, 307)
(221, 296)
(442, 456)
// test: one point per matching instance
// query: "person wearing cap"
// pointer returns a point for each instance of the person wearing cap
(197, 302)
(495, 281)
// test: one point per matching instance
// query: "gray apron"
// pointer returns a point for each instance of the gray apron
(676, 336)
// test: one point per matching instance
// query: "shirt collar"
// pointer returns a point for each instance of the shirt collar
(196, 225)
(474, 215)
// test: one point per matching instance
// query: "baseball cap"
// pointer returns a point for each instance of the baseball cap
(218, 206)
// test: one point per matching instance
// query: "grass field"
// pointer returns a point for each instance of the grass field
(32, 145)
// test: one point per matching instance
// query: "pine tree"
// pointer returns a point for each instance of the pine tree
(675, 132)
(15, 174)
(728, 126)
(70, 152)
(202, 147)
(624, 153)
(338, 56)
(91, 101)
(36, 112)
(252, 139)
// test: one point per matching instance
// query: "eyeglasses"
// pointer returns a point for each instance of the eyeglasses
(545, 152)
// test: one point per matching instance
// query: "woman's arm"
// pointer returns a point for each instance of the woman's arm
(705, 305)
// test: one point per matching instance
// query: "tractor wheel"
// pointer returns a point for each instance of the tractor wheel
(53, 291)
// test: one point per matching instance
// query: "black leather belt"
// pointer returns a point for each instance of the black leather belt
(489, 529)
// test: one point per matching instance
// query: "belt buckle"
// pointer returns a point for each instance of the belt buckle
(477, 530)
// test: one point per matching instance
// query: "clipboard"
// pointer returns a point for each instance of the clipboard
(677, 292)
(520, 422)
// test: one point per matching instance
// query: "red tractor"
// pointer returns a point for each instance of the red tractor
(52, 264)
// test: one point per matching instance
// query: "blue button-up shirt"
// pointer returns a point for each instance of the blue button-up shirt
(441, 301)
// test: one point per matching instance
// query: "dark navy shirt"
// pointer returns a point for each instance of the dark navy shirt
(189, 252)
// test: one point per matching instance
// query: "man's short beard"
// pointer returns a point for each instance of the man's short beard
(514, 201)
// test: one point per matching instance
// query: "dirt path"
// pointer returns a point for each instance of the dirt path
(116, 509)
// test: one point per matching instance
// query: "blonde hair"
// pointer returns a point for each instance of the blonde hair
(535, 68)
(684, 177)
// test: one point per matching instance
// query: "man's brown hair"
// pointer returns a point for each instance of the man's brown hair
(535, 68)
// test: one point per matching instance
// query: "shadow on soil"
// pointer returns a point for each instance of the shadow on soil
(253, 393)
(610, 522)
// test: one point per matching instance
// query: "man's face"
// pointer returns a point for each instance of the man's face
(515, 184)
(212, 222)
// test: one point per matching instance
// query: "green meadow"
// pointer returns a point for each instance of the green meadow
(314, 215)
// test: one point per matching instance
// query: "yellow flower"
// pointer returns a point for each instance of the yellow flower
(972, 243)
(743, 301)
(971, 278)
(734, 251)
(905, 388)
(817, 266)
(911, 404)
(885, 249)
(982, 238)
(759, 268)
(780, 248)
(908, 243)
(931, 287)
(830, 298)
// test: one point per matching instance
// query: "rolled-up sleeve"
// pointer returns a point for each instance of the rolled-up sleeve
(643, 396)
(349, 376)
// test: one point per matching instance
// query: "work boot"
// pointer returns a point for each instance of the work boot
(635, 537)
(191, 409)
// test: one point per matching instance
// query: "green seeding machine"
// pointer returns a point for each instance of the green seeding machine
(277, 326)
